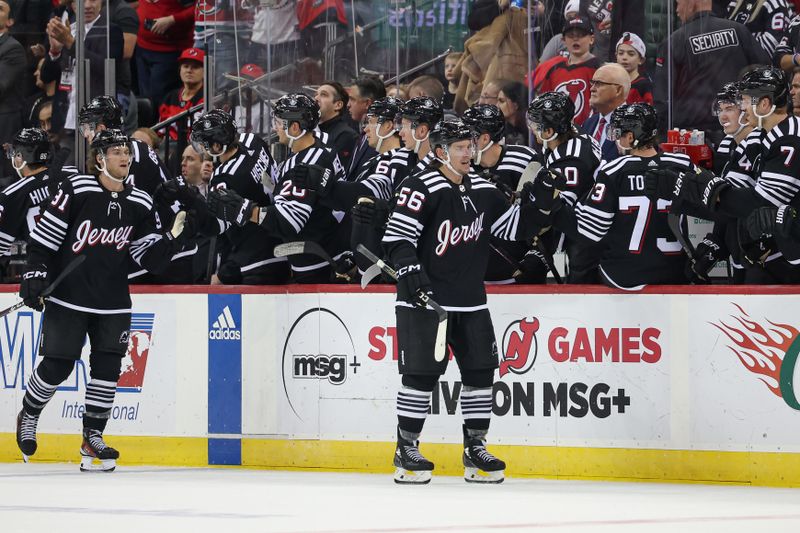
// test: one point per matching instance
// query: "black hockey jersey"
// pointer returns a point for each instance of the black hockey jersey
(20, 205)
(779, 167)
(513, 161)
(743, 159)
(639, 247)
(766, 19)
(724, 154)
(84, 218)
(147, 171)
(447, 226)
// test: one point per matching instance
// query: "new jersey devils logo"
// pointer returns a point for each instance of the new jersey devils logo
(519, 346)
(576, 90)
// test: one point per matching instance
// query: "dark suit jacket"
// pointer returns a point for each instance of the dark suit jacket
(12, 72)
(362, 153)
(95, 50)
(608, 150)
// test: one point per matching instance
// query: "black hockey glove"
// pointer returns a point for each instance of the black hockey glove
(545, 188)
(707, 254)
(344, 268)
(229, 273)
(507, 191)
(769, 221)
(313, 178)
(184, 228)
(700, 188)
(412, 283)
(533, 268)
(660, 183)
(227, 205)
(33, 284)
(371, 211)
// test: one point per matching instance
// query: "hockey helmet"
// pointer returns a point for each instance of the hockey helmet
(640, 119)
(103, 110)
(765, 82)
(32, 145)
(108, 139)
(297, 107)
(485, 118)
(216, 126)
(385, 109)
(728, 94)
(553, 111)
(422, 110)
(446, 133)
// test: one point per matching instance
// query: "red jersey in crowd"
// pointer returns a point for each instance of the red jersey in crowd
(212, 16)
(558, 75)
(174, 104)
(641, 91)
(177, 37)
(308, 11)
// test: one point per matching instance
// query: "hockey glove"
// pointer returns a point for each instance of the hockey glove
(768, 221)
(707, 254)
(545, 188)
(660, 183)
(533, 268)
(227, 205)
(700, 188)
(313, 178)
(371, 211)
(33, 284)
(413, 284)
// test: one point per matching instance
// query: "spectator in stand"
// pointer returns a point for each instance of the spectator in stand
(122, 15)
(219, 27)
(165, 30)
(794, 90)
(398, 91)
(190, 94)
(610, 87)
(44, 93)
(362, 93)
(450, 63)
(275, 34)
(571, 75)
(45, 117)
(490, 91)
(252, 103)
(555, 46)
(12, 61)
(631, 53)
(332, 100)
(513, 103)
(431, 87)
(147, 136)
(483, 12)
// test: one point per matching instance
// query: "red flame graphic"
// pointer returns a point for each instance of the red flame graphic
(760, 349)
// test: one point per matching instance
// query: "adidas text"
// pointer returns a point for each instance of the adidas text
(225, 334)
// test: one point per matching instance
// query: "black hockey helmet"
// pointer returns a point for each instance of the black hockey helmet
(640, 119)
(108, 139)
(216, 126)
(553, 111)
(727, 94)
(33, 145)
(101, 110)
(297, 107)
(385, 109)
(446, 133)
(766, 82)
(422, 110)
(485, 118)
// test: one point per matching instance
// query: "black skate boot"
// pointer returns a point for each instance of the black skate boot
(480, 466)
(26, 433)
(95, 449)
(412, 467)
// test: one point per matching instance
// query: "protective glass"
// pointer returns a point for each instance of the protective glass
(722, 105)
(88, 129)
(614, 134)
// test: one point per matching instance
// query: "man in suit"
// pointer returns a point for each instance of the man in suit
(610, 86)
(12, 67)
(362, 93)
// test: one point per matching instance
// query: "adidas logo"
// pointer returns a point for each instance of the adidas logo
(224, 328)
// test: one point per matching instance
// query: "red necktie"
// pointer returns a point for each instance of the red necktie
(600, 127)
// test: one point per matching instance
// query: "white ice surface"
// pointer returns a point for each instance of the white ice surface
(58, 498)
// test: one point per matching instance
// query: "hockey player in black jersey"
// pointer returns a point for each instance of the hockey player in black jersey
(297, 213)
(766, 19)
(576, 156)
(247, 255)
(29, 153)
(763, 98)
(101, 217)
(639, 248)
(503, 165)
(417, 118)
(438, 239)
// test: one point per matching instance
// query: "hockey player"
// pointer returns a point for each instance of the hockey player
(297, 213)
(417, 118)
(104, 219)
(639, 248)
(766, 20)
(576, 157)
(763, 98)
(503, 165)
(438, 237)
(249, 170)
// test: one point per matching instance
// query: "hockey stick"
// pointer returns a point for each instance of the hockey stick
(440, 348)
(308, 247)
(674, 223)
(50, 288)
(369, 274)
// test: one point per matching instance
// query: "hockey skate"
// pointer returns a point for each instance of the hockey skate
(96, 456)
(26, 434)
(480, 466)
(411, 466)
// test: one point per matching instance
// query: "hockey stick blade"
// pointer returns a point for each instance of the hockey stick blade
(440, 349)
(674, 223)
(72, 265)
(370, 274)
(308, 247)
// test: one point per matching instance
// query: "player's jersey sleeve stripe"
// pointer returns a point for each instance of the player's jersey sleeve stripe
(505, 227)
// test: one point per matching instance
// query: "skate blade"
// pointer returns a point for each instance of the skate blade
(25, 459)
(412, 477)
(475, 475)
(92, 464)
